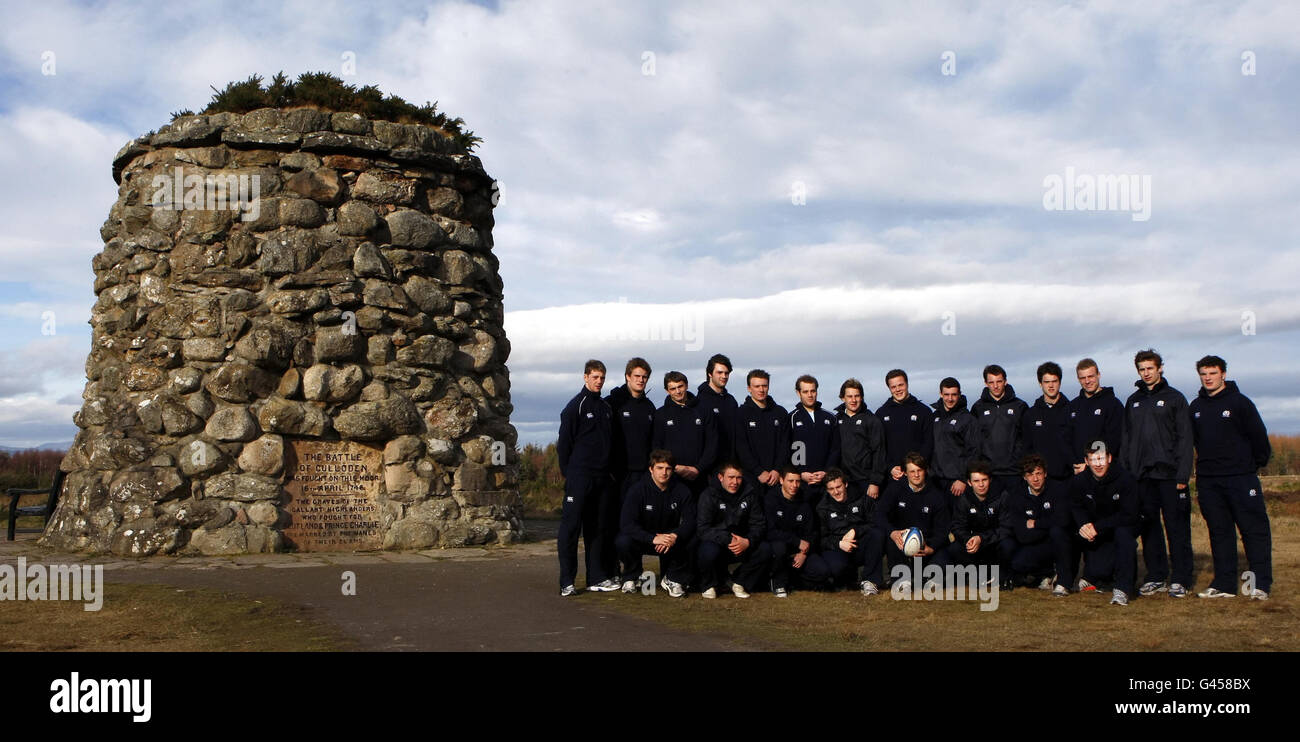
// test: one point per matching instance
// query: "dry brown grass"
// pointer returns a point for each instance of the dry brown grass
(1025, 620)
(160, 618)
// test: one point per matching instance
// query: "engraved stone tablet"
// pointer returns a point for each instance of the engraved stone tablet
(333, 495)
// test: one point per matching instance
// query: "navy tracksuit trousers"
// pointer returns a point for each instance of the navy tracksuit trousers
(1112, 559)
(1159, 497)
(713, 559)
(1230, 504)
(588, 498)
(674, 563)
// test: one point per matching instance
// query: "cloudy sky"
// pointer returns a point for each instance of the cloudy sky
(838, 190)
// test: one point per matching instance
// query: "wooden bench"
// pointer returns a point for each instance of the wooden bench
(45, 510)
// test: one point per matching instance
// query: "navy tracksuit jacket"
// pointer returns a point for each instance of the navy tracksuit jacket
(649, 511)
(634, 419)
(862, 448)
(929, 510)
(820, 438)
(690, 432)
(999, 426)
(956, 441)
(1045, 430)
(907, 429)
(1158, 434)
(762, 437)
(788, 523)
(723, 408)
(1111, 505)
(1096, 418)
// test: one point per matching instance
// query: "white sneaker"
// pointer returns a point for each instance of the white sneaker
(781, 592)
(1119, 598)
(1046, 584)
(1258, 594)
(738, 590)
(1082, 585)
(869, 588)
(1177, 591)
(629, 586)
(1060, 591)
(1211, 592)
(1151, 588)
(675, 589)
(568, 591)
(710, 594)
(604, 586)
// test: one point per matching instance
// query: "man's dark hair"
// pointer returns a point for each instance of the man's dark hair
(834, 473)
(728, 464)
(949, 383)
(1149, 354)
(758, 373)
(635, 363)
(1051, 367)
(1212, 361)
(851, 384)
(789, 469)
(979, 466)
(1085, 363)
(915, 457)
(672, 377)
(896, 372)
(1031, 462)
(715, 360)
(806, 379)
(661, 456)
(994, 370)
(593, 365)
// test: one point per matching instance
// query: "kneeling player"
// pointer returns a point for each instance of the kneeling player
(791, 529)
(730, 525)
(849, 539)
(1104, 502)
(1035, 522)
(976, 521)
(913, 502)
(658, 518)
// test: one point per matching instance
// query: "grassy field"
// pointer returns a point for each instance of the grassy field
(1026, 619)
(159, 618)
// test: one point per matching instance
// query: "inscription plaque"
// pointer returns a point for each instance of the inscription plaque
(333, 494)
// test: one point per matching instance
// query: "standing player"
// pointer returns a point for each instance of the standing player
(998, 413)
(1158, 452)
(634, 417)
(791, 529)
(814, 440)
(1046, 425)
(956, 440)
(686, 430)
(714, 397)
(583, 448)
(1095, 415)
(1104, 504)
(862, 444)
(907, 424)
(1231, 447)
(731, 527)
(658, 518)
(762, 433)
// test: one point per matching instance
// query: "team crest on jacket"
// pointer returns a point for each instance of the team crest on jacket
(1253, 493)
(780, 514)
(855, 508)
(990, 511)
(798, 518)
(627, 413)
(988, 412)
(1227, 413)
(1038, 423)
(1137, 404)
(1198, 414)
(1097, 411)
(1047, 506)
(936, 418)
(722, 506)
(1115, 496)
(673, 506)
(753, 423)
(835, 515)
(698, 421)
(591, 414)
(886, 418)
(860, 422)
(925, 508)
(798, 423)
(952, 421)
(972, 511)
(744, 505)
(649, 507)
(1029, 512)
(1160, 403)
(670, 422)
(1011, 411)
(715, 410)
(826, 422)
(913, 418)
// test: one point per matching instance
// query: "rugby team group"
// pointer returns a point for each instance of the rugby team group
(1057, 495)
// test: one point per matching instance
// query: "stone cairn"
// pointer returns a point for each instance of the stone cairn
(352, 296)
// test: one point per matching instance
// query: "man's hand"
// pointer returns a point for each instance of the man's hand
(1088, 531)
(1182, 486)
(973, 544)
(1078, 468)
(957, 488)
(873, 491)
(896, 473)
(897, 536)
(738, 544)
(686, 472)
(1029, 523)
(664, 541)
(818, 476)
(799, 559)
(807, 478)
(848, 543)
(927, 551)
(769, 477)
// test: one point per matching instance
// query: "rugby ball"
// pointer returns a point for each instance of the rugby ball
(913, 542)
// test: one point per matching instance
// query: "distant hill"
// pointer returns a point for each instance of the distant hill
(59, 446)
